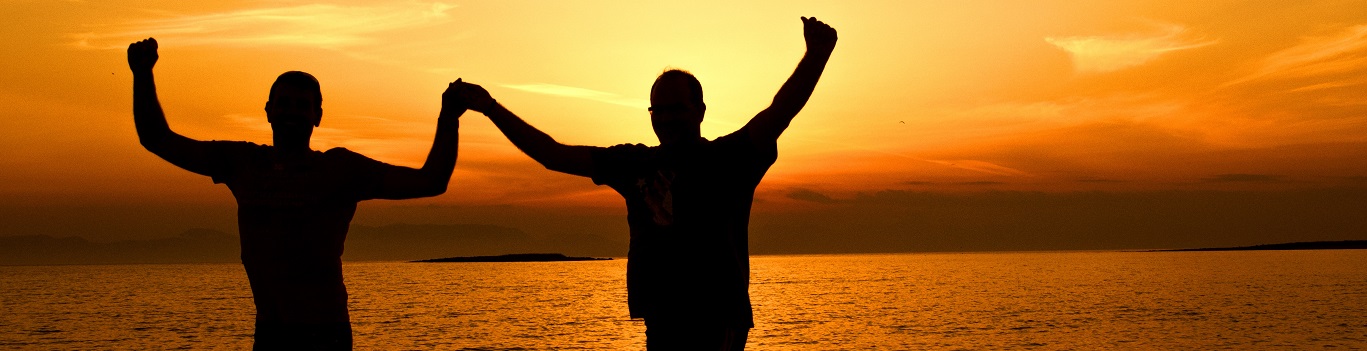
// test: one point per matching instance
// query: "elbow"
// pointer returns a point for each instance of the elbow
(152, 145)
(154, 142)
(437, 187)
(551, 164)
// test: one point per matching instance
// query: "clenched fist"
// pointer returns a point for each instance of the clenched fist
(142, 55)
(819, 35)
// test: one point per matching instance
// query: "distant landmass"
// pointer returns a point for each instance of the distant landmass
(527, 257)
(397, 242)
(1309, 245)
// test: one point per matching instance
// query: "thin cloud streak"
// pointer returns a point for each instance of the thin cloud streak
(579, 93)
(1340, 53)
(1099, 54)
(981, 167)
(1243, 178)
(317, 25)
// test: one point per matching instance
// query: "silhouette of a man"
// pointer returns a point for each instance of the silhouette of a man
(688, 199)
(294, 204)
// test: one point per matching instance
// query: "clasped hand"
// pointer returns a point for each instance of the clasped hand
(460, 94)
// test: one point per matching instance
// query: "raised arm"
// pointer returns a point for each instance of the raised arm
(770, 123)
(576, 160)
(435, 174)
(153, 131)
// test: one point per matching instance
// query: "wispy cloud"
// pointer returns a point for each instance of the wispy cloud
(316, 25)
(981, 167)
(579, 93)
(1243, 178)
(1101, 54)
(809, 195)
(1342, 52)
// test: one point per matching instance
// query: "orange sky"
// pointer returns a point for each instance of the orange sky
(1053, 96)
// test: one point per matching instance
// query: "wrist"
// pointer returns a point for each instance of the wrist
(493, 104)
(450, 114)
(821, 49)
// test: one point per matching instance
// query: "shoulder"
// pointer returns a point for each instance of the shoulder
(341, 152)
(741, 146)
(741, 139)
(623, 151)
(222, 148)
(614, 164)
(628, 147)
(235, 145)
(229, 157)
(345, 156)
(344, 153)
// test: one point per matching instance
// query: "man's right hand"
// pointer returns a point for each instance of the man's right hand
(475, 97)
(453, 97)
(819, 35)
(142, 55)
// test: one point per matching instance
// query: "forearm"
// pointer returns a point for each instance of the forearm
(798, 89)
(533, 142)
(770, 123)
(148, 117)
(441, 159)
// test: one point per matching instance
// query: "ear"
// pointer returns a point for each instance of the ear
(268, 112)
(318, 117)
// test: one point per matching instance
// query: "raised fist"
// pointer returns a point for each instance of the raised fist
(142, 55)
(819, 35)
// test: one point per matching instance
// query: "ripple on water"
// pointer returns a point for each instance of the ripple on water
(1069, 300)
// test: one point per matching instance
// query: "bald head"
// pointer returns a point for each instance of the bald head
(296, 80)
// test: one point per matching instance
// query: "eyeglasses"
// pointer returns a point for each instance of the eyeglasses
(669, 108)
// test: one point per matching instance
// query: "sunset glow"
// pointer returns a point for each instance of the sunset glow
(1052, 96)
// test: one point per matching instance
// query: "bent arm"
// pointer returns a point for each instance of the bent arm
(435, 174)
(432, 179)
(770, 123)
(576, 160)
(153, 132)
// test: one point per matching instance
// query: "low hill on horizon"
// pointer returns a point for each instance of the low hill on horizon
(398, 242)
(1304, 245)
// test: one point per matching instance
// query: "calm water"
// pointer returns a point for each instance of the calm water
(1061, 300)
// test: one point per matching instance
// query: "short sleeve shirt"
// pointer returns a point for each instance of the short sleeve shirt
(688, 209)
(293, 218)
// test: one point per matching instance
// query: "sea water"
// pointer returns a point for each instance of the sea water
(958, 301)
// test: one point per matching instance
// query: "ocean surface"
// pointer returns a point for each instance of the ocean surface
(964, 301)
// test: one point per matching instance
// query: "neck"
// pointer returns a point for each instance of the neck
(291, 139)
(291, 145)
(682, 141)
(690, 137)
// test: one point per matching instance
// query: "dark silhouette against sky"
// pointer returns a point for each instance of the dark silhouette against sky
(1112, 125)
(295, 204)
(688, 199)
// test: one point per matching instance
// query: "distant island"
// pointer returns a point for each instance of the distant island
(529, 257)
(1310, 245)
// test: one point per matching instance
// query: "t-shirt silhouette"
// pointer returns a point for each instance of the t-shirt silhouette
(688, 209)
(293, 218)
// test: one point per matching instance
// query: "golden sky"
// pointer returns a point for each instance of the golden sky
(960, 96)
